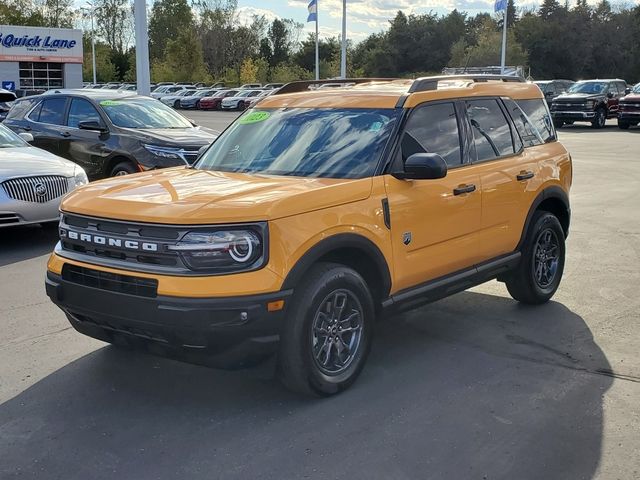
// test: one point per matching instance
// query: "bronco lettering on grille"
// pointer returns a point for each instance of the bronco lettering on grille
(109, 241)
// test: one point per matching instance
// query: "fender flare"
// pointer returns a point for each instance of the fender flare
(554, 192)
(335, 243)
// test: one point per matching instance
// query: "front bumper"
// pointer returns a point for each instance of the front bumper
(221, 332)
(16, 212)
(633, 116)
(576, 115)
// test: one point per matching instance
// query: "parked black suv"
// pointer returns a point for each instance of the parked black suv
(588, 101)
(109, 133)
(553, 88)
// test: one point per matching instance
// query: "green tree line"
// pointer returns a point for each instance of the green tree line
(205, 40)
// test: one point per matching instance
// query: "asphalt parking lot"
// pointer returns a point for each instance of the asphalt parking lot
(471, 387)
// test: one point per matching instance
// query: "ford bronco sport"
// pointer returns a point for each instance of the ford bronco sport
(315, 211)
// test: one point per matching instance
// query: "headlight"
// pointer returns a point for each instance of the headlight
(591, 103)
(164, 152)
(80, 177)
(222, 251)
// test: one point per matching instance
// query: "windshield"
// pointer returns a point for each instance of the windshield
(9, 139)
(588, 87)
(331, 143)
(142, 113)
(203, 93)
(636, 89)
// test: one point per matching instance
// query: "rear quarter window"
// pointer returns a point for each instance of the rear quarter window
(20, 108)
(538, 113)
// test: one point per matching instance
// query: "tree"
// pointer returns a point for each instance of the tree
(105, 70)
(167, 18)
(114, 23)
(183, 60)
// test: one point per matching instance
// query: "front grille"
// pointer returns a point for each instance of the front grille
(628, 106)
(40, 189)
(113, 282)
(564, 106)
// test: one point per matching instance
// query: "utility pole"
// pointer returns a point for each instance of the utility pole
(503, 56)
(93, 40)
(143, 77)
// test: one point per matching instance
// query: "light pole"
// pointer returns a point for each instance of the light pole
(143, 77)
(93, 40)
(343, 59)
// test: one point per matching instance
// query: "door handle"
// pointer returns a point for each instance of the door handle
(26, 129)
(525, 175)
(464, 189)
(65, 134)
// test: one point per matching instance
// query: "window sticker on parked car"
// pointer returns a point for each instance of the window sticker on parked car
(376, 126)
(110, 103)
(254, 117)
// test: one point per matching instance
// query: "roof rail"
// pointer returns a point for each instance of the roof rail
(431, 83)
(303, 85)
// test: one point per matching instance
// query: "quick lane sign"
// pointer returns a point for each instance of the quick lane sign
(40, 44)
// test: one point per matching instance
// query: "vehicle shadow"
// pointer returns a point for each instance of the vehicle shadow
(22, 243)
(474, 386)
(587, 128)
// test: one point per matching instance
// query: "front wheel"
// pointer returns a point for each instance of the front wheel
(622, 125)
(123, 168)
(538, 275)
(601, 118)
(327, 332)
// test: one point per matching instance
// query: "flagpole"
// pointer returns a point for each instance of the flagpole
(504, 40)
(317, 46)
(343, 62)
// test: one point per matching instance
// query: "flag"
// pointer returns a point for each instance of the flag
(500, 5)
(313, 11)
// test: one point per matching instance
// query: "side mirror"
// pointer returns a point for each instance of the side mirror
(92, 125)
(610, 95)
(27, 137)
(627, 91)
(423, 166)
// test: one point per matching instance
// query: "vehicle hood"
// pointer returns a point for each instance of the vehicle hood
(578, 96)
(29, 161)
(632, 97)
(197, 136)
(185, 196)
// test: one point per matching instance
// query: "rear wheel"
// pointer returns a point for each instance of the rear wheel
(327, 332)
(176, 104)
(538, 275)
(601, 118)
(123, 168)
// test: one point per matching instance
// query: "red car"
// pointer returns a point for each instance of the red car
(629, 109)
(213, 102)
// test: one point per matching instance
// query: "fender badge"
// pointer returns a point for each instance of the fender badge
(406, 238)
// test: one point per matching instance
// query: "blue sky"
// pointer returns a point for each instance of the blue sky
(366, 16)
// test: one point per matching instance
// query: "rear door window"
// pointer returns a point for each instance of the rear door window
(52, 111)
(491, 130)
(433, 129)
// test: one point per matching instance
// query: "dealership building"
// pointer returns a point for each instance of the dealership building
(35, 58)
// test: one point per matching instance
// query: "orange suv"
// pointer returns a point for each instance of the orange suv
(312, 213)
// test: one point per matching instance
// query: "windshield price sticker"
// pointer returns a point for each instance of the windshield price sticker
(110, 103)
(254, 117)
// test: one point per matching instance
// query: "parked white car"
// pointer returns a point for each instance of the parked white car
(174, 100)
(164, 90)
(32, 181)
(240, 101)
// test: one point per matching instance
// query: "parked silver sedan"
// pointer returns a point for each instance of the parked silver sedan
(32, 181)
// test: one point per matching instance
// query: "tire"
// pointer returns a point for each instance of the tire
(123, 168)
(623, 125)
(176, 104)
(528, 283)
(312, 351)
(558, 123)
(197, 107)
(601, 118)
(240, 106)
